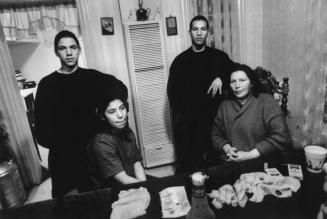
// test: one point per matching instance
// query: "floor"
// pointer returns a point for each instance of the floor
(43, 191)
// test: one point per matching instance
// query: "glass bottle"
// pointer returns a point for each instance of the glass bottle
(199, 207)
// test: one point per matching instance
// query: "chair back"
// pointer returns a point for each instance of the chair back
(274, 87)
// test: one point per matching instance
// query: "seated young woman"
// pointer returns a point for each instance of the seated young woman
(113, 154)
(249, 124)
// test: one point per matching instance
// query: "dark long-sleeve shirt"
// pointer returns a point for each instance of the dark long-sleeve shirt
(190, 77)
(65, 107)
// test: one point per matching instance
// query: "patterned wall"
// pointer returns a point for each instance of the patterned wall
(295, 46)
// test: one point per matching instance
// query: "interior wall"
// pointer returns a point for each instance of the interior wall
(250, 24)
(283, 47)
(289, 52)
(34, 60)
(174, 44)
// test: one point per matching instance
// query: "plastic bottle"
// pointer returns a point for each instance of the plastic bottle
(200, 208)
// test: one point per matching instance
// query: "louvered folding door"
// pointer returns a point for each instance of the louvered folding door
(148, 75)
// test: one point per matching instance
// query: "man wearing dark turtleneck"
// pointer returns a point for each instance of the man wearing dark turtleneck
(65, 115)
(194, 90)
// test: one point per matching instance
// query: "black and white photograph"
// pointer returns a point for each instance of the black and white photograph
(107, 26)
(163, 109)
(171, 25)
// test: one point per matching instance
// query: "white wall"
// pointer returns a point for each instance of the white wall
(250, 23)
(36, 60)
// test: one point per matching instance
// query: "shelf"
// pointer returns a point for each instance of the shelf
(22, 42)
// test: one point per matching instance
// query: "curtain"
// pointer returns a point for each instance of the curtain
(223, 23)
(30, 21)
(314, 130)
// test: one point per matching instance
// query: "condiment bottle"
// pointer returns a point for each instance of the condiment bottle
(199, 207)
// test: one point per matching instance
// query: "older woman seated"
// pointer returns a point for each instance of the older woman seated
(249, 124)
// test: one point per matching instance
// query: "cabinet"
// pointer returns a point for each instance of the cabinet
(148, 76)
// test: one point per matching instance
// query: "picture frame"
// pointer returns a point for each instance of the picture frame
(107, 25)
(171, 25)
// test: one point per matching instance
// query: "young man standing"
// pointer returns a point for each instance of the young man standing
(65, 115)
(194, 91)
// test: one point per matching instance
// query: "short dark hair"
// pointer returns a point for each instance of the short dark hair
(117, 92)
(199, 18)
(257, 87)
(63, 34)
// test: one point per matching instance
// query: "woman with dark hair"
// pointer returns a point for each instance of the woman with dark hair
(256, 87)
(113, 155)
(249, 124)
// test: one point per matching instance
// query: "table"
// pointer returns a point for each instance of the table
(96, 204)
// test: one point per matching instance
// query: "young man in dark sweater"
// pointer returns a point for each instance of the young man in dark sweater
(194, 91)
(65, 115)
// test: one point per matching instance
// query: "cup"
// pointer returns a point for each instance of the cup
(315, 157)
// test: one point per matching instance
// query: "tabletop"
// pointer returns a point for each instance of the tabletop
(305, 203)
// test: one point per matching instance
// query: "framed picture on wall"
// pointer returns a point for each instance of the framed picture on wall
(107, 25)
(171, 26)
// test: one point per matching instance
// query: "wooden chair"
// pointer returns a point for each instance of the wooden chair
(272, 86)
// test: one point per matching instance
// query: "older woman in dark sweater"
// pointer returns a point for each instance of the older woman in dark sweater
(249, 124)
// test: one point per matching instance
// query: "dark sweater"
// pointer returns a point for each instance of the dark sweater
(190, 77)
(65, 107)
(259, 124)
(193, 110)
